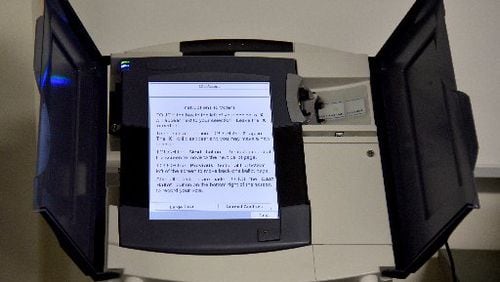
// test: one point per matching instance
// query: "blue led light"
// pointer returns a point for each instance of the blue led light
(59, 81)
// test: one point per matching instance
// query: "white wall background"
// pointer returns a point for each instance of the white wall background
(18, 242)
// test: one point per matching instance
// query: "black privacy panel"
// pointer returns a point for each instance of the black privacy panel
(426, 136)
(69, 186)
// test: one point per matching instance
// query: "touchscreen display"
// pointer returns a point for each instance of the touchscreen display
(211, 151)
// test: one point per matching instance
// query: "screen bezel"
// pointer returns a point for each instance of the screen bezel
(292, 229)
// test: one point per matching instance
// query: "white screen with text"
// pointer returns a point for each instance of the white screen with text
(211, 151)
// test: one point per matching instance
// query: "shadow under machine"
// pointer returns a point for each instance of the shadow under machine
(234, 152)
